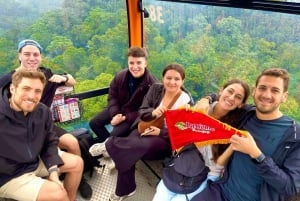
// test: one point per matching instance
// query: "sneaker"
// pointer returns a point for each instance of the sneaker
(111, 165)
(114, 197)
(85, 189)
(99, 149)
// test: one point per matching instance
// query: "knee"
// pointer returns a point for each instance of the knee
(70, 143)
(78, 164)
(93, 121)
(72, 163)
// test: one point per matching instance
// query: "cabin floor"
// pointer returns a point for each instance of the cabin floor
(103, 182)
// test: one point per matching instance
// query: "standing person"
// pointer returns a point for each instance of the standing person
(29, 158)
(265, 164)
(232, 96)
(30, 58)
(126, 93)
(126, 151)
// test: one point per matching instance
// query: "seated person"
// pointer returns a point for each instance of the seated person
(29, 158)
(126, 93)
(30, 58)
(126, 151)
(232, 96)
(265, 164)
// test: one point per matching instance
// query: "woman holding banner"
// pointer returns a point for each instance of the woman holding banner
(232, 97)
(153, 143)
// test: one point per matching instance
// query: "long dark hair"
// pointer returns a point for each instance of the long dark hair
(231, 117)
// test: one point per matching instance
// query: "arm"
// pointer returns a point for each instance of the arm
(114, 106)
(203, 104)
(67, 79)
(70, 81)
(49, 153)
(224, 157)
(282, 175)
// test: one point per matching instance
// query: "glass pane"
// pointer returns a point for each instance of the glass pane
(216, 44)
(88, 39)
(84, 38)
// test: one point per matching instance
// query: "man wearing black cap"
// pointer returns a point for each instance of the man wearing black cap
(29, 55)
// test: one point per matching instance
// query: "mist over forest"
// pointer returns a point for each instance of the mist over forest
(18, 14)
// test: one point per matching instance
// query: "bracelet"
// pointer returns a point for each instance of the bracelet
(53, 169)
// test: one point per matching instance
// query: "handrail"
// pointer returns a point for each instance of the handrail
(89, 94)
(267, 5)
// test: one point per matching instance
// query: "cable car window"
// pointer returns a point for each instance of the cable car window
(83, 38)
(218, 43)
(87, 39)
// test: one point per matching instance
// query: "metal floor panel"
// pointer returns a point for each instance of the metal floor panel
(103, 183)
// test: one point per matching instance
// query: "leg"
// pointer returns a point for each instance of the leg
(126, 151)
(182, 197)
(126, 182)
(69, 143)
(98, 123)
(163, 193)
(31, 186)
(121, 130)
(73, 167)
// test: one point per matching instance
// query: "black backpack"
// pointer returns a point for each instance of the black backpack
(184, 171)
(85, 141)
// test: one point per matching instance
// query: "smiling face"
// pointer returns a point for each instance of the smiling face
(231, 96)
(172, 81)
(26, 96)
(137, 66)
(268, 95)
(30, 57)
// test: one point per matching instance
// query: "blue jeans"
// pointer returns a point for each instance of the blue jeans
(163, 193)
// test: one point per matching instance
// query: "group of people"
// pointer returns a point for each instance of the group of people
(29, 139)
(262, 166)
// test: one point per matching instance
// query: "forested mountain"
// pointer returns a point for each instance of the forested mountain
(88, 38)
(19, 14)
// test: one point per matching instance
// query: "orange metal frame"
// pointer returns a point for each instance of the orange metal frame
(135, 23)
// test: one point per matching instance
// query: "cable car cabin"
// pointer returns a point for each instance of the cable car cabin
(214, 40)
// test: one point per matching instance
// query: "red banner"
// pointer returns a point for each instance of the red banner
(188, 126)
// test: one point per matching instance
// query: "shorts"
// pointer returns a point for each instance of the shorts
(27, 186)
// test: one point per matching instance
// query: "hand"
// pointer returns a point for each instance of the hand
(159, 111)
(54, 178)
(57, 79)
(202, 105)
(187, 107)
(152, 130)
(245, 144)
(117, 119)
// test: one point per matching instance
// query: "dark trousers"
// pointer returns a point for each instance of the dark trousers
(127, 151)
(103, 118)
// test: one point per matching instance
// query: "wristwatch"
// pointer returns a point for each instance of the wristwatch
(67, 78)
(260, 158)
(53, 169)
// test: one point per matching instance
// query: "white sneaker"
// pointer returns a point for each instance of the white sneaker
(111, 165)
(114, 197)
(98, 149)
